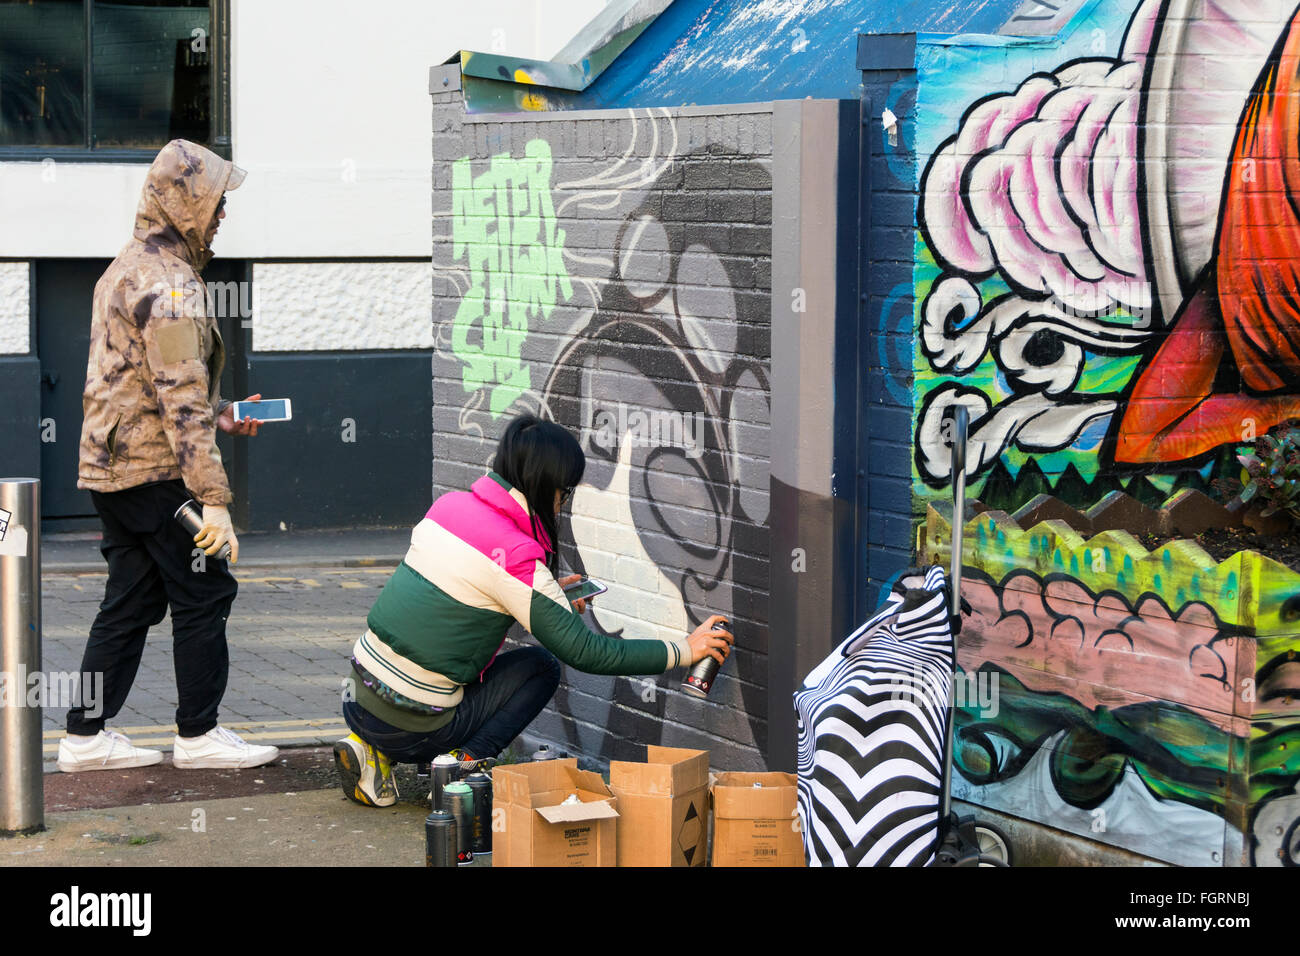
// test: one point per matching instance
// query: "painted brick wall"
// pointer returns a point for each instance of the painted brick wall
(621, 264)
(888, 251)
(1105, 253)
(1104, 274)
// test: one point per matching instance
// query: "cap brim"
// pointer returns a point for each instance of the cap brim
(236, 177)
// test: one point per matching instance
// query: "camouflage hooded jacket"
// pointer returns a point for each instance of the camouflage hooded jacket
(152, 379)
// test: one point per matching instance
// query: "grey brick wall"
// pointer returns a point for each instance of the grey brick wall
(620, 263)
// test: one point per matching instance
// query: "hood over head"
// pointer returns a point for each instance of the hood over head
(181, 192)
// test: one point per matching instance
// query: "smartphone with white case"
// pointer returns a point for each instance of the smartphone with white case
(267, 410)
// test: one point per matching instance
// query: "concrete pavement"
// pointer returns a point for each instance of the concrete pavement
(303, 599)
(314, 828)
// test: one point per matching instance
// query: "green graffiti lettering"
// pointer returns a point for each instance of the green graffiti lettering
(503, 226)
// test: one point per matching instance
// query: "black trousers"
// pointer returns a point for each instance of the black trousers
(152, 563)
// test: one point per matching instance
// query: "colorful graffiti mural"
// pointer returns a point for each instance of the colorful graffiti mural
(652, 348)
(1106, 260)
(1165, 725)
(1101, 279)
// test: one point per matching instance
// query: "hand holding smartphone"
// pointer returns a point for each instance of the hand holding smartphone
(265, 410)
(584, 588)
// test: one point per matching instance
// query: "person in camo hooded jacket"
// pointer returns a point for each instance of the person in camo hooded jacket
(148, 442)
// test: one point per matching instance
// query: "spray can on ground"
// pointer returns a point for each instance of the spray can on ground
(439, 839)
(702, 675)
(480, 785)
(544, 752)
(459, 801)
(440, 773)
(190, 517)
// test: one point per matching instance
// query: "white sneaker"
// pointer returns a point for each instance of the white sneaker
(221, 748)
(107, 750)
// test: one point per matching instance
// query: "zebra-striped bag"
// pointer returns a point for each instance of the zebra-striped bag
(871, 731)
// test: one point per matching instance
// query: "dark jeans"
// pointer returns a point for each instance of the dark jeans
(492, 713)
(151, 564)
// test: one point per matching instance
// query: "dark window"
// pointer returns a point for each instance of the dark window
(110, 78)
(42, 73)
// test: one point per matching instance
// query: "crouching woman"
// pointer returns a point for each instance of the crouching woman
(426, 675)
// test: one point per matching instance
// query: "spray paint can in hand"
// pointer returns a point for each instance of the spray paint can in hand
(459, 801)
(701, 676)
(440, 772)
(190, 517)
(480, 784)
(439, 839)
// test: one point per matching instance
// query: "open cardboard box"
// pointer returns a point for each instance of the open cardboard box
(756, 826)
(663, 807)
(539, 829)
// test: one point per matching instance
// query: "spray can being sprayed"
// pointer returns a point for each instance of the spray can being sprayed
(701, 676)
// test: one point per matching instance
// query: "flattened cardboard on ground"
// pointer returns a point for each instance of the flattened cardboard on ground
(756, 826)
(663, 807)
(539, 830)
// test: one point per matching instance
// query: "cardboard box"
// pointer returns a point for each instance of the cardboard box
(538, 829)
(663, 808)
(756, 826)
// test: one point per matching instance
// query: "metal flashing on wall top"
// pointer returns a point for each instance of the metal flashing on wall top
(1040, 18)
(582, 59)
(444, 78)
(673, 112)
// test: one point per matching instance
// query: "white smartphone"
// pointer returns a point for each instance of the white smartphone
(586, 588)
(267, 410)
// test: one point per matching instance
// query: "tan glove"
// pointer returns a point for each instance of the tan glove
(216, 531)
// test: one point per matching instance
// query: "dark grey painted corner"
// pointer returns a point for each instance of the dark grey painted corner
(358, 452)
(20, 416)
(886, 51)
(814, 177)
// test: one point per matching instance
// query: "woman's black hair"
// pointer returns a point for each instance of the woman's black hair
(540, 458)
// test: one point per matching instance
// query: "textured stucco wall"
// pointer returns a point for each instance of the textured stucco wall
(15, 308)
(321, 306)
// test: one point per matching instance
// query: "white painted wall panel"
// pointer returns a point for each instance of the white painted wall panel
(331, 113)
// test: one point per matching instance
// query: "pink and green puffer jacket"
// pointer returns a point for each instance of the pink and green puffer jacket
(473, 569)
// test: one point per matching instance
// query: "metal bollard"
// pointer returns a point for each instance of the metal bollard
(22, 783)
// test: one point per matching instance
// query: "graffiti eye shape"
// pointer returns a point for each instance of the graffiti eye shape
(1045, 347)
(986, 755)
(1281, 686)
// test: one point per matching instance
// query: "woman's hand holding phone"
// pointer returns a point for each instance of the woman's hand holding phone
(580, 605)
(709, 640)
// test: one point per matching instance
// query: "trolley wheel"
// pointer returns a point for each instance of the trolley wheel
(993, 842)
